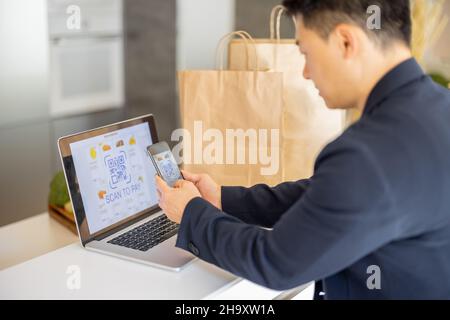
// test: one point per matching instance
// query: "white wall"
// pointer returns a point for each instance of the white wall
(200, 25)
(23, 60)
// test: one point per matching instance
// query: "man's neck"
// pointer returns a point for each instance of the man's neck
(379, 67)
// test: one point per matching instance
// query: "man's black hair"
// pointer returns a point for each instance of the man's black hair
(323, 16)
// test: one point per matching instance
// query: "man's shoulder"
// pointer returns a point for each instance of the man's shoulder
(369, 140)
(410, 118)
(352, 139)
(350, 150)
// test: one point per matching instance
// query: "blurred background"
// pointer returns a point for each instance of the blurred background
(60, 74)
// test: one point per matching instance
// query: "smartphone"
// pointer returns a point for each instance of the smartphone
(164, 162)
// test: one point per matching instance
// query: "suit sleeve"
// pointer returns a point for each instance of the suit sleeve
(345, 214)
(262, 205)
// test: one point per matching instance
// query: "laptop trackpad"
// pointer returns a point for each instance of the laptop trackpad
(171, 255)
(165, 253)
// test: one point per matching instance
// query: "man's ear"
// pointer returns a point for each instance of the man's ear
(346, 38)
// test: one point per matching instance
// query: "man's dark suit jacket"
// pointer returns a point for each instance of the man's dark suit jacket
(377, 205)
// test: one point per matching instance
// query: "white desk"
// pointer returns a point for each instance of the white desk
(32, 237)
(105, 277)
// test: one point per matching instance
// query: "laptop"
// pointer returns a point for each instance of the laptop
(111, 183)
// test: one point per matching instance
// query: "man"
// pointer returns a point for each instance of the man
(374, 220)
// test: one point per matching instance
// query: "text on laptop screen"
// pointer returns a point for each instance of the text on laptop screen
(115, 175)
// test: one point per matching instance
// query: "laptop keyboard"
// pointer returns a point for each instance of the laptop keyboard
(147, 235)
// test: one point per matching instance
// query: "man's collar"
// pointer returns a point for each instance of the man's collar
(402, 74)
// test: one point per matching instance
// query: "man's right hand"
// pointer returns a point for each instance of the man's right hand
(208, 188)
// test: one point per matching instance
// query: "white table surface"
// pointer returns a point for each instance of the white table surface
(32, 237)
(46, 275)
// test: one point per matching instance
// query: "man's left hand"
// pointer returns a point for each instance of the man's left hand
(174, 200)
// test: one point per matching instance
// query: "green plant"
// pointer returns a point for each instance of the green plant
(59, 195)
(440, 79)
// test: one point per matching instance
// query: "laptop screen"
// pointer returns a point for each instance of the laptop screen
(115, 175)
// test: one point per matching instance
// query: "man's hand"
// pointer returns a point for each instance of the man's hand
(174, 200)
(208, 188)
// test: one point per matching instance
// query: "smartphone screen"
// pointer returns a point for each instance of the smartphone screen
(166, 166)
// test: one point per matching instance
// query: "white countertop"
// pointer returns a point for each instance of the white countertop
(49, 274)
(32, 237)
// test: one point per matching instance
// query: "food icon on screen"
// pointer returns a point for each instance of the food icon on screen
(106, 147)
(101, 194)
(119, 143)
(93, 153)
(132, 140)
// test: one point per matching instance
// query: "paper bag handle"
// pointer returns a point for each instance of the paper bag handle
(245, 36)
(275, 27)
(277, 12)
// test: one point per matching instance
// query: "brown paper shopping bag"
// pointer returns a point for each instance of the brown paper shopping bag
(232, 122)
(308, 125)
